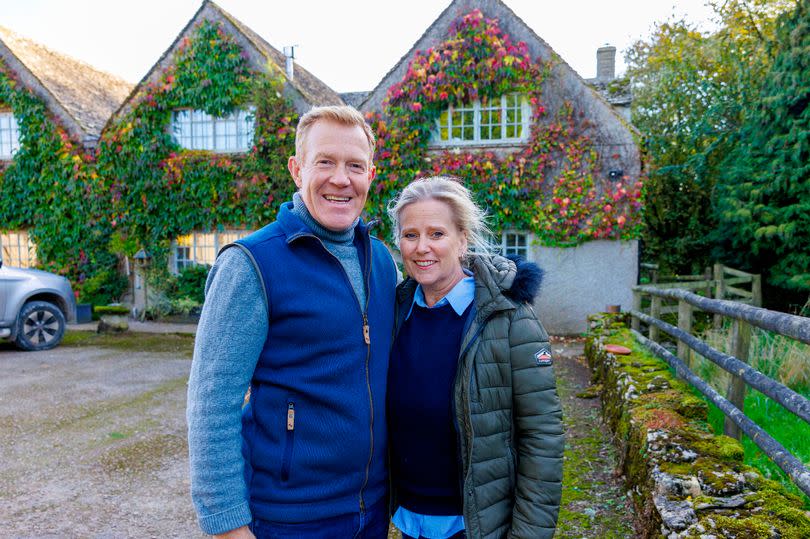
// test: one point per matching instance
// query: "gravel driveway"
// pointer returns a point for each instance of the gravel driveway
(93, 439)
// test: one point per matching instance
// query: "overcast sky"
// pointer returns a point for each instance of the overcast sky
(349, 44)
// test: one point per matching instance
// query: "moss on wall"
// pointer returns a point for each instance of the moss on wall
(685, 481)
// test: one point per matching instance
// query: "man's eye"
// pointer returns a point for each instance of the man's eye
(323, 163)
(357, 167)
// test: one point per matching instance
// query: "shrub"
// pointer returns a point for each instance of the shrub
(102, 288)
(190, 283)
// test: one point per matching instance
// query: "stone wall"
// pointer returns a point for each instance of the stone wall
(582, 280)
(684, 480)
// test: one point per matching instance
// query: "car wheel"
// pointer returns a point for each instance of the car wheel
(40, 326)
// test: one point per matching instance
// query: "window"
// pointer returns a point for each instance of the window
(201, 247)
(197, 130)
(497, 120)
(9, 135)
(515, 243)
(18, 249)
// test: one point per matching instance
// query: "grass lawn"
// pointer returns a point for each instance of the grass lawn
(784, 360)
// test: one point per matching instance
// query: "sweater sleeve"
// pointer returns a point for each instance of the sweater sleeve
(539, 435)
(230, 336)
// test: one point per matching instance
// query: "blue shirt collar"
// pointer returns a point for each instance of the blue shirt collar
(459, 297)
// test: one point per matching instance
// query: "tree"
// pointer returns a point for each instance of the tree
(691, 92)
(764, 194)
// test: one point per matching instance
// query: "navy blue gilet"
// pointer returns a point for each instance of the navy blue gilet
(425, 464)
(314, 432)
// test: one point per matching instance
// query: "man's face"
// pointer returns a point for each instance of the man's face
(334, 173)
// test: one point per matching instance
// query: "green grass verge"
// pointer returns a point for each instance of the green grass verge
(171, 343)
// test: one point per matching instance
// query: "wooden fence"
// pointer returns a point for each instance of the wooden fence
(719, 282)
(743, 317)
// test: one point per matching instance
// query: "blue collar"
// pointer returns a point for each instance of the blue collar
(459, 297)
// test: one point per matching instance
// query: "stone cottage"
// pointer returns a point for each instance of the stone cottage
(482, 97)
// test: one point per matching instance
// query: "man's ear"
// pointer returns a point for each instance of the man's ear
(372, 173)
(295, 170)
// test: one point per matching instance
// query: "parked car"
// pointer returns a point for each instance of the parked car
(35, 307)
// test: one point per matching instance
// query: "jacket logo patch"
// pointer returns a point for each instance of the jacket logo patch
(543, 356)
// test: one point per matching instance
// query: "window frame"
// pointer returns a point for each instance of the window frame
(17, 249)
(478, 107)
(9, 133)
(200, 242)
(213, 122)
(515, 249)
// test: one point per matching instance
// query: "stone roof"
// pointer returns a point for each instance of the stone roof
(304, 89)
(78, 94)
(616, 91)
(355, 99)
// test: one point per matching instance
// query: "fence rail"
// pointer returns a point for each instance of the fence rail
(743, 317)
(719, 282)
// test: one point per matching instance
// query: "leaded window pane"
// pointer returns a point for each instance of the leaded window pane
(197, 130)
(9, 135)
(492, 120)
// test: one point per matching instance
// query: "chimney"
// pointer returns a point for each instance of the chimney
(606, 62)
(289, 54)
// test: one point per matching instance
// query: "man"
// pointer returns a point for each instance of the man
(300, 311)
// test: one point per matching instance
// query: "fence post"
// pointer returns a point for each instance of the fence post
(756, 290)
(740, 344)
(685, 325)
(719, 293)
(634, 322)
(655, 312)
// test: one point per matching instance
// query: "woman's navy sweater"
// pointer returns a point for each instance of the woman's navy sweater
(424, 443)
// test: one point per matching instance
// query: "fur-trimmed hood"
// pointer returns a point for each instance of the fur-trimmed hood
(501, 282)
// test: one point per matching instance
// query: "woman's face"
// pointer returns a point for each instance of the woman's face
(432, 245)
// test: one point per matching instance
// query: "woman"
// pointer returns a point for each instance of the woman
(474, 419)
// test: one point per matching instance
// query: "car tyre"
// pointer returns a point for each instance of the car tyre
(40, 326)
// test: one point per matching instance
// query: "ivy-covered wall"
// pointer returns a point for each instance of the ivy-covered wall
(52, 189)
(550, 186)
(159, 191)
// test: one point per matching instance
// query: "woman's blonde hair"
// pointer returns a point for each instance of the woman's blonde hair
(467, 216)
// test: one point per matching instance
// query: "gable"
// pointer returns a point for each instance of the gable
(304, 89)
(563, 85)
(80, 96)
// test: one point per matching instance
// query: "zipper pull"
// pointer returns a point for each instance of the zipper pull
(290, 416)
(366, 330)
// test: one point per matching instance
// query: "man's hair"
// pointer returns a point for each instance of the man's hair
(467, 216)
(343, 114)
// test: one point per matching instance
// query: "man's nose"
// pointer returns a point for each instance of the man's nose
(341, 176)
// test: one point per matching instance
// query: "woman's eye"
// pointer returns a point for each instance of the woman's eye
(408, 236)
(437, 235)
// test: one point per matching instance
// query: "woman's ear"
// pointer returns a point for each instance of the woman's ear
(463, 247)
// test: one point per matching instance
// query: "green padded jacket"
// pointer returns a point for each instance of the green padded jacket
(506, 406)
